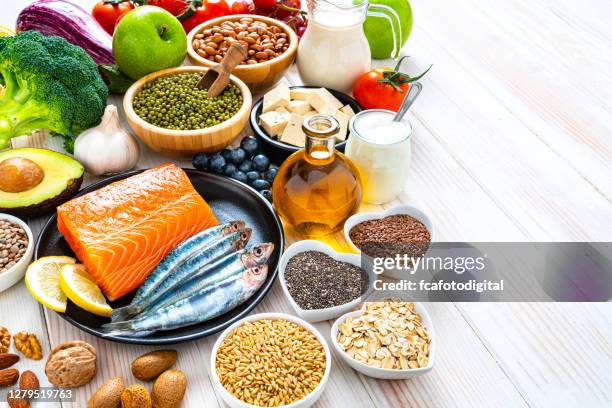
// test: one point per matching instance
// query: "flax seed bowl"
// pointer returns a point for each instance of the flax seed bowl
(272, 47)
(14, 256)
(270, 359)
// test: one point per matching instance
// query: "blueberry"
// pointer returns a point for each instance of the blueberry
(239, 175)
(260, 184)
(250, 144)
(226, 153)
(267, 194)
(246, 166)
(261, 162)
(229, 169)
(270, 174)
(237, 156)
(252, 176)
(200, 161)
(216, 163)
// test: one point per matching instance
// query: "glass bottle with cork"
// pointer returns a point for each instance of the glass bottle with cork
(317, 188)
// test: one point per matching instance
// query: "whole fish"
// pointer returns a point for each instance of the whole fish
(217, 271)
(182, 252)
(206, 304)
(215, 250)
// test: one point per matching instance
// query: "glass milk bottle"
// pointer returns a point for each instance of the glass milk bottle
(334, 51)
(380, 148)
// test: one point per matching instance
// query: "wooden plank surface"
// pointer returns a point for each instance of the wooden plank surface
(511, 143)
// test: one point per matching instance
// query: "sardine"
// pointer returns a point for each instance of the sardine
(211, 252)
(182, 252)
(206, 304)
(213, 273)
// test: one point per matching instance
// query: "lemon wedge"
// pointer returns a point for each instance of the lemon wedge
(83, 291)
(5, 31)
(43, 281)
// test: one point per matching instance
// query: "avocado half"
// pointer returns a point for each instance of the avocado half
(34, 182)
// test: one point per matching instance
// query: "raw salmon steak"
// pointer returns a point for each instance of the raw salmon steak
(123, 230)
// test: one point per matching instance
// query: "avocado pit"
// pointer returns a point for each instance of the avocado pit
(20, 174)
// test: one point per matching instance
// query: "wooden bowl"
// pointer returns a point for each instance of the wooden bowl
(186, 143)
(258, 77)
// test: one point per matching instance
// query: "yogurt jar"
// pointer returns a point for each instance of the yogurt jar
(381, 150)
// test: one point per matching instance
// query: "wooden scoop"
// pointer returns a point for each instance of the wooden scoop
(218, 77)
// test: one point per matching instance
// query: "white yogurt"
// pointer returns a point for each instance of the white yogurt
(381, 149)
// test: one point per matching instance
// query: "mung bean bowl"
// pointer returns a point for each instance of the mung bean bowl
(186, 141)
(239, 377)
(15, 273)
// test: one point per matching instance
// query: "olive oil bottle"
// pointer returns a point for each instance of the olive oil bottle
(317, 188)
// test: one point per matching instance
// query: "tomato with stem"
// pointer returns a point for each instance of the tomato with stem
(384, 88)
(106, 12)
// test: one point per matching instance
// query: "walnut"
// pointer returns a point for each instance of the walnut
(71, 364)
(5, 340)
(28, 345)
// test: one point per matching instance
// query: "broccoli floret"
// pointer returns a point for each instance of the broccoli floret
(49, 83)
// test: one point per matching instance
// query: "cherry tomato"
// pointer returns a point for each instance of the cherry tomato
(383, 88)
(242, 7)
(106, 13)
(207, 10)
(174, 7)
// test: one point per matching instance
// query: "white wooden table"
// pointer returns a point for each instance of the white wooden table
(512, 142)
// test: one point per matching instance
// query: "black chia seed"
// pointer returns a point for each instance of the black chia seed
(317, 281)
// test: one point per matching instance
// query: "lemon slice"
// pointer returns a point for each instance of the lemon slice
(83, 291)
(42, 280)
(5, 31)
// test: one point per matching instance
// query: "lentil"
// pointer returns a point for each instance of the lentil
(175, 102)
(13, 244)
(391, 235)
(317, 281)
(270, 362)
(262, 41)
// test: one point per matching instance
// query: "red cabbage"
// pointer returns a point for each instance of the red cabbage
(70, 21)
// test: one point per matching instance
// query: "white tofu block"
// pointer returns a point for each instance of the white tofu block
(293, 133)
(309, 113)
(343, 119)
(300, 94)
(321, 97)
(299, 107)
(328, 110)
(276, 98)
(274, 122)
(347, 110)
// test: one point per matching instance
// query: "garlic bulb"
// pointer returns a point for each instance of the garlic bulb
(106, 148)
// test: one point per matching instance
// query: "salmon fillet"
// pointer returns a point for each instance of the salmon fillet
(123, 230)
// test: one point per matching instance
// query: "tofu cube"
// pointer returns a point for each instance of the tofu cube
(321, 98)
(300, 94)
(299, 107)
(293, 133)
(276, 98)
(274, 122)
(347, 110)
(328, 110)
(343, 119)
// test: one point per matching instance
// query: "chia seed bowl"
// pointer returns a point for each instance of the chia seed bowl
(319, 315)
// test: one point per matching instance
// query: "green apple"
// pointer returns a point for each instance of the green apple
(378, 29)
(148, 39)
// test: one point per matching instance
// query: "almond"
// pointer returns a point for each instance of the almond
(18, 402)
(28, 381)
(7, 360)
(8, 377)
(148, 366)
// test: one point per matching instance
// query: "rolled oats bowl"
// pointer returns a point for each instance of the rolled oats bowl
(248, 357)
(350, 337)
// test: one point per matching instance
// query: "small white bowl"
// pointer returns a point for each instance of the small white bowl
(305, 402)
(319, 315)
(399, 209)
(15, 273)
(385, 373)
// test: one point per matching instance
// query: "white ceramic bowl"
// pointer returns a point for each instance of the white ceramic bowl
(15, 274)
(385, 373)
(305, 402)
(319, 315)
(399, 209)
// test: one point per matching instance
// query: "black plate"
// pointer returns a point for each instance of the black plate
(229, 200)
(278, 151)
